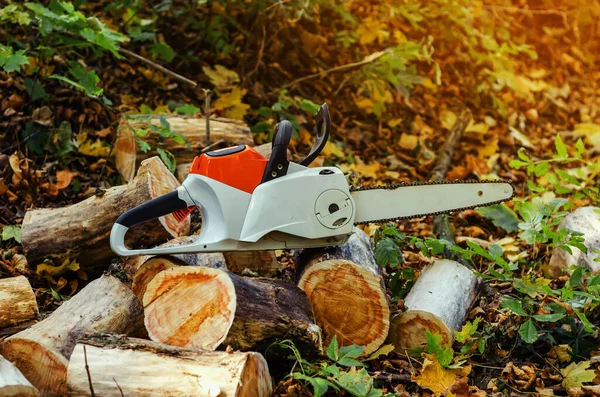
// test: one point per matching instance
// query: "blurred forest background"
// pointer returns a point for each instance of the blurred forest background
(395, 74)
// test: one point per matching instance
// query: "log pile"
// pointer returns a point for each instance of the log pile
(82, 230)
(18, 308)
(13, 383)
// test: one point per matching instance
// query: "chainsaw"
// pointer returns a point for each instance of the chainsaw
(248, 202)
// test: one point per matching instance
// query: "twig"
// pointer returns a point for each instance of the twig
(391, 377)
(441, 224)
(349, 66)
(261, 51)
(121, 390)
(209, 147)
(158, 67)
(207, 114)
(87, 369)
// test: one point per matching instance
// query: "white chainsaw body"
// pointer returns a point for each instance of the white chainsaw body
(287, 212)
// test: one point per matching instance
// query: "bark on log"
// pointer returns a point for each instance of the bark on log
(347, 292)
(13, 383)
(42, 352)
(585, 220)
(438, 302)
(18, 307)
(192, 128)
(120, 366)
(204, 308)
(82, 230)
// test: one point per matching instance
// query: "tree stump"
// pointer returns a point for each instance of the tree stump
(347, 292)
(82, 230)
(203, 307)
(13, 383)
(42, 351)
(120, 366)
(192, 128)
(18, 307)
(438, 301)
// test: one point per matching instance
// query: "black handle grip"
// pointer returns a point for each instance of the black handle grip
(155, 208)
(323, 128)
(278, 162)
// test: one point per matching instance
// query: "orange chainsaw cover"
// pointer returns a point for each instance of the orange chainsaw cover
(242, 170)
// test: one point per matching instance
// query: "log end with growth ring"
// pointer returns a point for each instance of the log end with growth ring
(410, 329)
(348, 301)
(179, 313)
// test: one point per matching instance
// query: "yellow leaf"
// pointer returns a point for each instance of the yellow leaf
(430, 85)
(591, 132)
(372, 29)
(58, 270)
(231, 104)
(364, 103)
(490, 148)
(576, 374)
(382, 351)
(394, 122)
(479, 128)
(400, 38)
(91, 148)
(447, 118)
(305, 138)
(408, 142)
(221, 77)
(562, 352)
(332, 149)
(437, 378)
(363, 169)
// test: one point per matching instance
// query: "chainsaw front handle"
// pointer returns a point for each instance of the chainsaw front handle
(178, 199)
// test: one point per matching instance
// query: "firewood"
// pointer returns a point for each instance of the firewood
(42, 351)
(192, 128)
(585, 220)
(13, 383)
(204, 308)
(113, 365)
(438, 301)
(347, 292)
(82, 230)
(18, 307)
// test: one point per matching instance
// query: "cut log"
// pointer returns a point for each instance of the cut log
(192, 128)
(263, 263)
(82, 230)
(18, 307)
(438, 301)
(347, 292)
(119, 366)
(42, 352)
(203, 307)
(13, 383)
(585, 220)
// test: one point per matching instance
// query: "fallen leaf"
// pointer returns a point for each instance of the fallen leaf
(57, 270)
(221, 77)
(408, 142)
(372, 29)
(331, 149)
(43, 116)
(64, 178)
(231, 104)
(576, 374)
(437, 378)
(88, 147)
(519, 137)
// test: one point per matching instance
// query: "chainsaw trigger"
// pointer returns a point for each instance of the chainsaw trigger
(181, 214)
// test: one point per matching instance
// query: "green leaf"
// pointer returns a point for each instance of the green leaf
(187, 109)
(588, 326)
(501, 216)
(561, 149)
(541, 169)
(388, 253)
(348, 354)
(11, 232)
(514, 305)
(35, 89)
(382, 351)
(143, 145)
(443, 354)
(580, 147)
(517, 164)
(12, 62)
(309, 106)
(319, 385)
(358, 383)
(167, 158)
(576, 374)
(549, 318)
(333, 349)
(467, 331)
(528, 331)
(162, 50)
(259, 127)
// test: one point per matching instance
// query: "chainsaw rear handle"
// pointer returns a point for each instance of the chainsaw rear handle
(323, 128)
(155, 208)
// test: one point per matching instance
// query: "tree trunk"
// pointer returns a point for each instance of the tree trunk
(438, 302)
(82, 230)
(119, 366)
(42, 352)
(192, 128)
(204, 308)
(13, 383)
(18, 307)
(347, 292)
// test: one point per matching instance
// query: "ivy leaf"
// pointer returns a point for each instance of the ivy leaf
(11, 231)
(501, 216)
(576, 374)
(12, 62)
(388, 253)
(333, 349)
(514, 305)
(528, 331)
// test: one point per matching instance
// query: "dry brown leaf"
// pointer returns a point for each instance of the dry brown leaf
(64, 178)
